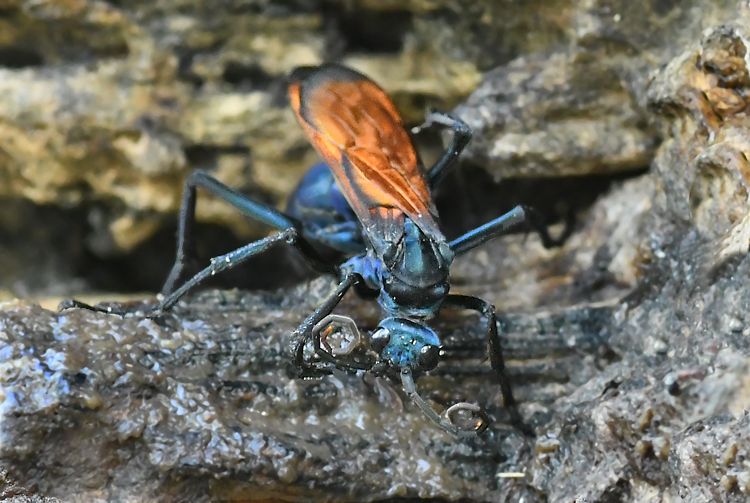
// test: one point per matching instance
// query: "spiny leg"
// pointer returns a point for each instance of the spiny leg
(260, 212)
(461, 138)
(224, 262)
(447, 421)
(307, 332)
(200, 179)
(218, 264)
(494, 350)
(506, 224)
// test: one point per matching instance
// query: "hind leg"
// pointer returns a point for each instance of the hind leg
(286, 225)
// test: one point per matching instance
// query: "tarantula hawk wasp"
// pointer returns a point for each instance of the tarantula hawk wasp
(369, 202)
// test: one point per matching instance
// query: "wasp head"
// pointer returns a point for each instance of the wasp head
(415, 277)
(406, 344)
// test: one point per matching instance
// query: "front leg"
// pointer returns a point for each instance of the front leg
(494, 350)
(218, 265)
(305, 333)
(343, 358)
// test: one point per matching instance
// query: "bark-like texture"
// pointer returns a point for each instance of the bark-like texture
(629, 347)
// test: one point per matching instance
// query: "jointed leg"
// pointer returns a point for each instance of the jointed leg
(494, 350)
(264, 214)
(307, 331)
(447, 421)
(505, 224)
(224, 262)
(461, 138)
(185, 246)
(218, 264)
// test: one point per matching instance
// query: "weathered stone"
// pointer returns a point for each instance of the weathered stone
(200, 406)
(580, 108)
(116, 104)
(628, 347)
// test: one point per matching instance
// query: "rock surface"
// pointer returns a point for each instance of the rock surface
(115, 104)
(628, 347)
(201, 407)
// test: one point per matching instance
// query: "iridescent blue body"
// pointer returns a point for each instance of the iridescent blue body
(328, 221)
(367, 216)
(406, 341)
(422, 268)
(326, 217)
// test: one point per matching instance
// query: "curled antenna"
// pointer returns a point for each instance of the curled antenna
(446, 421)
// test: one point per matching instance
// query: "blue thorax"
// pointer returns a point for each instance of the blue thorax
(412, 277)
(407, 268)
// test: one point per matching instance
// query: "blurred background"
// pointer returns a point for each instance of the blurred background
(105, 107)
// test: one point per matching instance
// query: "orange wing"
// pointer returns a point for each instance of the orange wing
(358, 131)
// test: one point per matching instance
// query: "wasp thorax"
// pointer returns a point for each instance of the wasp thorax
(417, 275)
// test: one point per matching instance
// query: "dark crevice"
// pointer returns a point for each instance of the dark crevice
(370, 31)
(147, 267)
(469, 196)
(253, 77)
(206, 156)
(250, 75)
(185, 68)
(19, 57)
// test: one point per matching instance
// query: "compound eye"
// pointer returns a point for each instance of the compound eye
(380, 339)
(429, 356)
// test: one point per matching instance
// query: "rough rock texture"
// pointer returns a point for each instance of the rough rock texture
(200, 407)
(108, 106)
(116, 103)
(13, 493)
(580, 107)
(629, 347)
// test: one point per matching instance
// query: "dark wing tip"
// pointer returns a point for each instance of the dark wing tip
(329, 71)
(300, 73)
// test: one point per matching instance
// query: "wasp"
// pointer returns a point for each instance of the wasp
(365, 215)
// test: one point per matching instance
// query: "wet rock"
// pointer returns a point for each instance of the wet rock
(200, 405)
(13, 493)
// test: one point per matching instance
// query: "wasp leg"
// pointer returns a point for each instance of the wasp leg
(494, 349)
(461, 138)
(505, 224)
(446, 421)
(224, 262)
(306, 332)
(262, 213)
(288, 227)
(342, 359)
(218, 264)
